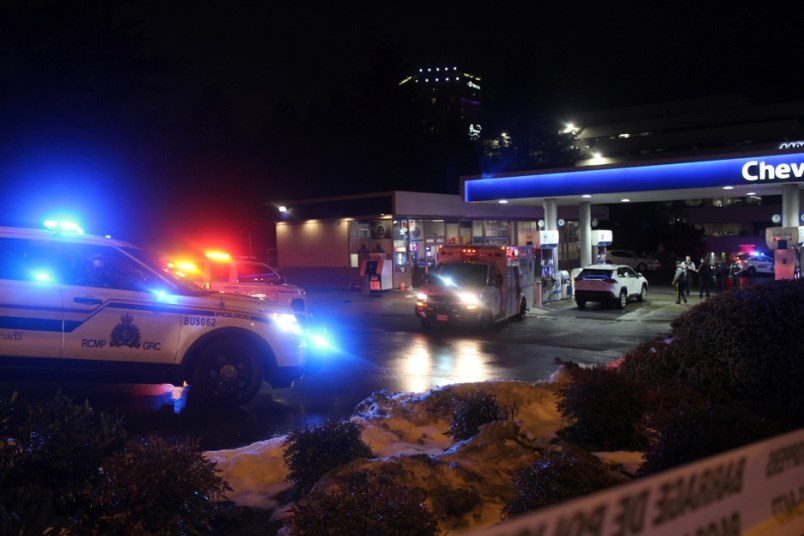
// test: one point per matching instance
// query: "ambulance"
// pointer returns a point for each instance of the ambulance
(220, 271)
(85, 307)
(477, 284)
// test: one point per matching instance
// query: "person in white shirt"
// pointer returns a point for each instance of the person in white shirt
(688, 266)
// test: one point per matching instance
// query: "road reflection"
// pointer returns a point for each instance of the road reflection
(425, 365)
(161, 396)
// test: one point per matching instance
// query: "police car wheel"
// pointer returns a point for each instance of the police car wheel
(228, 373)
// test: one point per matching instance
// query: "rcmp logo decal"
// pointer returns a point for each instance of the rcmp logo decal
(126, 333)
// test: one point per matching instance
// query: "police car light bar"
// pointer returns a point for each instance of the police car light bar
(219, 256)
(63, 226)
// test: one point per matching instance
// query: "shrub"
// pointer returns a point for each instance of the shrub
(472, 411)
(558, 476)
(692, 431)
(311, 452)
(604, 409)
(365, 504)
(652, 364)
(739, 345)
(65, 469)
(155, 487)
(49, 453)
(738, 349)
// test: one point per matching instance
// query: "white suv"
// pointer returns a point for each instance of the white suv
(609, 284)
(94, 308)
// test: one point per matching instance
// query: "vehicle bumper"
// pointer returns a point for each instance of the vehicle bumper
(453, 314)
(594, 296)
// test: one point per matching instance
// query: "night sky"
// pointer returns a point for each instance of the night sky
(177, 121)
(571, 54)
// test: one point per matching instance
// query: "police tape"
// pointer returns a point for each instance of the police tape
(751, 491)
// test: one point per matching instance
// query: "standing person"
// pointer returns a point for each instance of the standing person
(735, 269)
(721, 274)
(680, 282)
(689, 267)
(705, 278)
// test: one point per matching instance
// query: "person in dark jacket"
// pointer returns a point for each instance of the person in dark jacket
(705, 278)
(721, 274)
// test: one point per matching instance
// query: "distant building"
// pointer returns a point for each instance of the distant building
(694, 127)
(717, 125)
(447, 98)
(321, 242)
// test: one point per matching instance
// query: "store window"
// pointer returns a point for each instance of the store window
(496, 232)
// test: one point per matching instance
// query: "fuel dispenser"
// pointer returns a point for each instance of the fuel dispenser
(545, 244)
(601, 239)
(786, 244)
(376, 274)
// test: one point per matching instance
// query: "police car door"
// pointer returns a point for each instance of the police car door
(114, 310)
(30, 298)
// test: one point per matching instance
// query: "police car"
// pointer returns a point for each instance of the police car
(223, 272)
(93, 308)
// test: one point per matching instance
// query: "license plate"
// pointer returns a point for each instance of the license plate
(442, 318)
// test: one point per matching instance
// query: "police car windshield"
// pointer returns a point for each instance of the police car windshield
(181, 285)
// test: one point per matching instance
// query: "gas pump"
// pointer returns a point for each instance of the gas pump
(601, 239)
(786, 243)
(375, 274)
(545, 244)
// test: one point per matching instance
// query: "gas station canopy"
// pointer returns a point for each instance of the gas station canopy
(733, 175)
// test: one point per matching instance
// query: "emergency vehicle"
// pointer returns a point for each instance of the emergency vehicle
(222, 272)
(479, 284)
(87, 307)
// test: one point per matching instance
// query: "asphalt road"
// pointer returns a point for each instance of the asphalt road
(381, 346)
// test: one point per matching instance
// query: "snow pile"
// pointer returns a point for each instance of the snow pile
(408, 434)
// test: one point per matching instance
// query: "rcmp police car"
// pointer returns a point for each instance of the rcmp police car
(92, 308)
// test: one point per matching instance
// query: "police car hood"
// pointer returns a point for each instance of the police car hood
(244, 302)
(289, 287)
